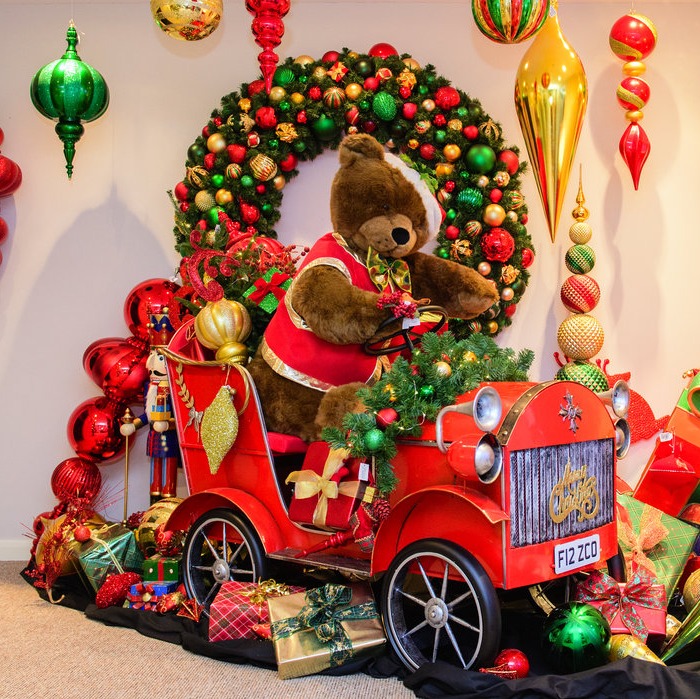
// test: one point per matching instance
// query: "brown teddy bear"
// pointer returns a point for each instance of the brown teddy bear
(311, 360)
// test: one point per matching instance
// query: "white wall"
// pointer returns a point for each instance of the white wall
(76, 248)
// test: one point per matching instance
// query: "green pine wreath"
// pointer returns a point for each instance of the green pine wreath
(253, 143)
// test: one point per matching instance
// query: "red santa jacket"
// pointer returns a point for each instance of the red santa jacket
(295, 352)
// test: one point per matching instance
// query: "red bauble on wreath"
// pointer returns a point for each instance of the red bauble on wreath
(410, 109)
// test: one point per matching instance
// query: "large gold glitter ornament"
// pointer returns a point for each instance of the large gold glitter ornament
(580, 336)
(188, 20)
(219, 428)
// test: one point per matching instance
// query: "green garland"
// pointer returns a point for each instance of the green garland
(412, 392)
(251, 147)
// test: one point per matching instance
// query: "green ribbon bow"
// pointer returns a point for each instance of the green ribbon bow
(323, 613)
(392, 274)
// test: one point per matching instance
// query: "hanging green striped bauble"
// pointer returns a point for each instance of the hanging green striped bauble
(284, 75)
(580, 259)
(585, 373)
(384, 106)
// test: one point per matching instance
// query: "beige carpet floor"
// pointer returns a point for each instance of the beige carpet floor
(51, 652)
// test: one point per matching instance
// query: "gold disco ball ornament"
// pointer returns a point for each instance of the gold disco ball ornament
(151, 519)
(580, 336)
(187, 20)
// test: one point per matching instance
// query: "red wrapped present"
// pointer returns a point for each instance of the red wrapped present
(327, 493)
(239, 607)
(637, 607)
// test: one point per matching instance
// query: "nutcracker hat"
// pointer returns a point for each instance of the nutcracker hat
(160, 329)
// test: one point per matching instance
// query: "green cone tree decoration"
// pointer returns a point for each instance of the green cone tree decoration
(71, 92)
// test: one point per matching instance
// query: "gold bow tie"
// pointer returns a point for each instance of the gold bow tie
(388, 274)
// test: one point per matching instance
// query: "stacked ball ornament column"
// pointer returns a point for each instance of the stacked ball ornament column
(581, 336)
(632, 38)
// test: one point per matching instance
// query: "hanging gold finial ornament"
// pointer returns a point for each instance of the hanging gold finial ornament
(69, 91)
(580, 336)
(632, 38)
(187, 20)
(551, 95)
(223, 326)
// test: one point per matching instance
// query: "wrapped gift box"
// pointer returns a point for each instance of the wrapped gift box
(158, 568)
(654, 540)
(348, 611)
(146, 595)
(329, 489)
(636, 607)
(111, 549)
(239, 609)
(269, 290)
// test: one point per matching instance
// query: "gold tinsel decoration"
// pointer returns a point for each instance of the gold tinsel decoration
(219, 428)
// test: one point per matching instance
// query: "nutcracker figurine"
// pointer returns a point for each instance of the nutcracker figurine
(162, 446)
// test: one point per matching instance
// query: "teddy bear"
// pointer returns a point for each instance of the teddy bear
(311, 360)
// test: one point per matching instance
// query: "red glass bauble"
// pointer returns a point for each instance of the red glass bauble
(93, 429)
(330, 57)
(76, 479)
(515, 660)
(386, 416)
(446, 97)
(10, 176)
(510, 159)
(118, 367)
(3, 229)
(528, 257)
(151, 296)
(633, 37)
(382, 50)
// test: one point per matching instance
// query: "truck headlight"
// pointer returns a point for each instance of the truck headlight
(622, 438)
(481, 462)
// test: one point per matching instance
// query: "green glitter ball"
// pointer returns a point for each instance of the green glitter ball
(427, 391)
(374, 439)
(384, 106)
(480, 158)
(470, 199)
(284, 75)
(585, 373)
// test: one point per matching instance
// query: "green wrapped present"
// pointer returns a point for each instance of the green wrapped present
(269, 289)
(111, 549)
(324, 627)
(654, 540)
(159, 568)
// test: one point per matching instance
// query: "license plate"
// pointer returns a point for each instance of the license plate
(576, 554)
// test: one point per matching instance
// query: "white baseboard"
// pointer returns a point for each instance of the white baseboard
(15, 549)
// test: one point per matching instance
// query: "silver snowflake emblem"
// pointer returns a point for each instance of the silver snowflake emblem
(570, 412)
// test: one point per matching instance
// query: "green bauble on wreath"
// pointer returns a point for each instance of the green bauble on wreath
(252, 144)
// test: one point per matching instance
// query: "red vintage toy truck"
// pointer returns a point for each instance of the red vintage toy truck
(512, 486)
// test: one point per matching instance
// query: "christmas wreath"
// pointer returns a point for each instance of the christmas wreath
(228, 203)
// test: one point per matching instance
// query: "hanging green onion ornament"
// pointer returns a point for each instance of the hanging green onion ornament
(69, 91)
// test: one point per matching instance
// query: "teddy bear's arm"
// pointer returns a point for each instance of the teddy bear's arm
(333, 308)
(461, 291)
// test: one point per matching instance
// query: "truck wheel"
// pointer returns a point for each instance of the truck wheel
(220, 546)
(439, 604)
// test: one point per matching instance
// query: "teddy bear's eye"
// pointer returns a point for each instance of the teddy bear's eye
(385, 207)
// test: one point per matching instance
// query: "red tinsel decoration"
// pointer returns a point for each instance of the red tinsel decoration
(115, 589)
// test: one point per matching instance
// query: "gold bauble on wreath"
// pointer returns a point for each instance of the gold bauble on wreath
(152, 518)
(224, 326)
(580, 336)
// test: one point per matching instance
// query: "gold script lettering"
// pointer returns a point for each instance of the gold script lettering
(575, 492)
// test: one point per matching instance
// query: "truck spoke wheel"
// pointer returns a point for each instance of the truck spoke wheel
(220, 546)
(439, 604)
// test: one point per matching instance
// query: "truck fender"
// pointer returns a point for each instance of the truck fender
(194, 506)
(462, 516)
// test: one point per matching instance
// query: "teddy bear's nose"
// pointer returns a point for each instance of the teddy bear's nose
(401, 236)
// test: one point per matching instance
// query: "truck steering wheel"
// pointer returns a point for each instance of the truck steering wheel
(378, 347)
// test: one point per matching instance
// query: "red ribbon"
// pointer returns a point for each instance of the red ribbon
(144, 597)
(613, 597)
(263, 287)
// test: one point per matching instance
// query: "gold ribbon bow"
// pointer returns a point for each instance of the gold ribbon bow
(651, 533)
(308, 484)
(388, 274)
(259, 594)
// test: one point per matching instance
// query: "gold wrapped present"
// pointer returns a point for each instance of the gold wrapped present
(324, 627)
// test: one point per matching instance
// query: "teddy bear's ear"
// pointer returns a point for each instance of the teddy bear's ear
(358, 146)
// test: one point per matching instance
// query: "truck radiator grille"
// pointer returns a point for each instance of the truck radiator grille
(560, 491)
